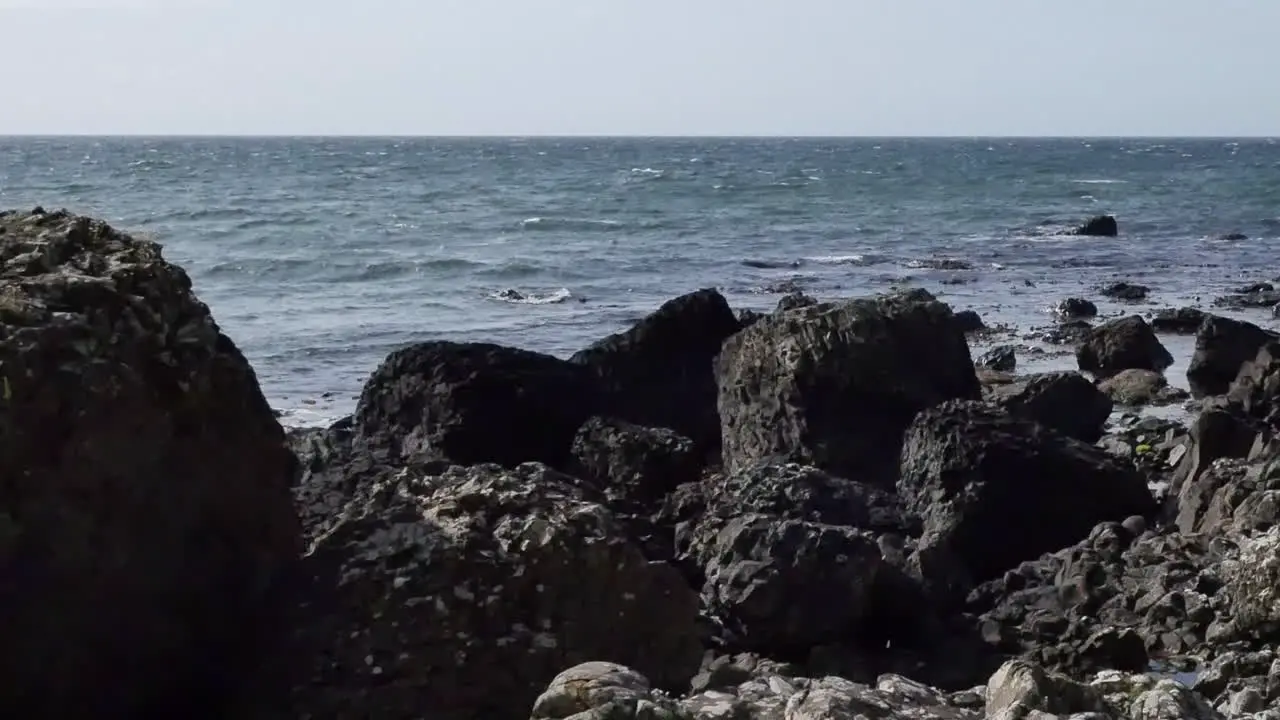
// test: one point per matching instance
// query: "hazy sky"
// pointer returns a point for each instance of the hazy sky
(660, 67)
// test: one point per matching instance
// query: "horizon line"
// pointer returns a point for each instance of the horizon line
(594, 136)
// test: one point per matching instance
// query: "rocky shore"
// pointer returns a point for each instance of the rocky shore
(830, 511)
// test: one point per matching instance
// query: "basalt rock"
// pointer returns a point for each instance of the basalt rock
(1178, 321)
(833, 385)
(1125, 344)
(1099, 226)
(1223, 346)
(1065, 401)
(145, 516)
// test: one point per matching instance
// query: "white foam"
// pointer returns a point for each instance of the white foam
(838, 259)
(512, 295)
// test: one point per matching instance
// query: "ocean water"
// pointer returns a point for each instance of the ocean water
(319, 256)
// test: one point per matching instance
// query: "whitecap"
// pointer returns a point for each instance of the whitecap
(512, 295)
(553, 223)
(1101, 181)
(838, 259)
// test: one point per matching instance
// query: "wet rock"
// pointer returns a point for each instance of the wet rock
(1258, 287)
(1075, 308)
(793, 300)
(604, 691)
(1140, 387)
(1249, 300)
(1126, 291)
(1002, 358)
(145, 516)
(659, 373)
(1066, 402)
(466, 590)
(1223, 345)
(1099, 226)
(1068, 333)
(969, 321)
(1233, 236)
(1218, 433)
(1178, 321)
(965, 470)
(1124, 344)
(833, 385)
(1256, 388)
(474, 403)
(747, 317)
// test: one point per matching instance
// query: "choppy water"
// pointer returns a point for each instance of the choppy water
(318, 256)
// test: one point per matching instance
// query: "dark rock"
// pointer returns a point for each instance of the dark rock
(969, 321)
(1217, 433)
(1071, 332)
(1140, 387)
(834, 385)
(1233, 236)
(1223, 345)
(1099, 226)
(1258, 287)
(968, 470)
(1178, 321)
(145, 517)
(1066, 402)
(747, 318)
(1126, 291)
(475, 403)
(467, 589)
(1124, 344)
(793, 300)
(1256, 389)
(1074, 308)
(1248, 300)
(1250, 580)
(1003, 358)
(660, 373)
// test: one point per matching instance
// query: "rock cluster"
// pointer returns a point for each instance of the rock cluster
(823, 512)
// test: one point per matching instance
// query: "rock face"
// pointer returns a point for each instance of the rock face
(1066, 402)
(994, 491)
(448, 400)
(1125, 344)
(1223, 345)
(660, 373)
(1099, 226)
(834, 385)
(1002, 358)
(468, 589)
(1076, 308)
(144, 482)
(1178, 321)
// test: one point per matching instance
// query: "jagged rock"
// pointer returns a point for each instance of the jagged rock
(1140, 387)
(1250, 580)
(1124, 344)
(747, 317)
(1252, 298)
(1170, 700)
(1126, 291)
(467, 589)
(969, 321)
(1256, 389)
(1064, 401)
(659, 373)
(1071, 332)
(604, 691)
(1223, 345)
(1099, 226)
(1217, 433)
(1020, 684)
(145, 515)
(636, 468)
(1178, 321)
(474, 403)
(1075, 308)
(994, 490)
(833, 385)
(1002, 358)
(793, 300)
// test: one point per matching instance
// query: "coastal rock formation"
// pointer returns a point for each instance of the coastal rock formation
(660, 372)
(1125, 291)
(833, 385)
(1099, 226)
(1178, 321)
(467, 589)
(1074, 308)
(145, 514)
(448, 400)
(1064, 401)
(1002, 358)
(1223, 345)
(1125, 344)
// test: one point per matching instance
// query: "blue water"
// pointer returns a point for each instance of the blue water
(318, 256)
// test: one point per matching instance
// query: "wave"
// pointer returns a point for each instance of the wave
(1101, 181)
(554, 223)
(765, 264)
(343, 271)
(855, 259)
(939, 264)
(512, 295)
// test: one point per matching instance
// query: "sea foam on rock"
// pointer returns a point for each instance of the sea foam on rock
(145, 515)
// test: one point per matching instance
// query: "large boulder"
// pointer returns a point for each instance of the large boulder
(660, 372)
(145, 514)
(1223, 345)
(474, 403)
(994, 490)
(466, 590)
(1064, 401)
(1125, 344)
(833, 385)
(1099, 226)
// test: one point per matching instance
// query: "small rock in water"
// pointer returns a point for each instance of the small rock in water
(1003, 358)
(1100, 226)
(1126, 291)
(1076, 308)
(1178, 321)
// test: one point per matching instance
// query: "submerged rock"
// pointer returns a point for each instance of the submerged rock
(145, 515)
(1099, 226)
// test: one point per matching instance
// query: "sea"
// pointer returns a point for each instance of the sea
(318, 256)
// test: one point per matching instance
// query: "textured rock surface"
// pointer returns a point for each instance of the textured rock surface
(1125, 344)
(1223, 345)
(604, 691)
(448, 400)
(1064, 401)
(145, 514)
(660, 372)
(467, 589)
(834, 385)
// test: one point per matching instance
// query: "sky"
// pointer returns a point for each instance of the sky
(641, 67)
